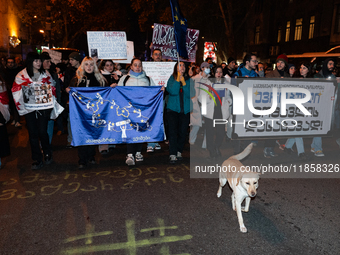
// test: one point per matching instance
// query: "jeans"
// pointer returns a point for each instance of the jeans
(299, 144)
(317, 144)
(50, 127)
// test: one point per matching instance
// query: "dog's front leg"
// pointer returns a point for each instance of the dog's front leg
(239, 216)
(233, 205)
(246, 206)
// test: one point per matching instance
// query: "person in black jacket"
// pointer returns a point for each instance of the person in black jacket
(87, 75)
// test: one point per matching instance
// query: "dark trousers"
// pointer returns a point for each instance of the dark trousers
(178, 126)
(13, 109)
(214, 135)
(86, 153)
(132, 148)
(37, 122)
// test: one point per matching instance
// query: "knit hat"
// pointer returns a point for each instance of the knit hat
(205, 64)
(231, 59)
(75, 55)
(283, 58)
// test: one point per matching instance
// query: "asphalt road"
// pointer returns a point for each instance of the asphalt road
(156, 208)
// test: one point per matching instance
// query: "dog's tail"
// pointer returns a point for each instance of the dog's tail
(244, 153)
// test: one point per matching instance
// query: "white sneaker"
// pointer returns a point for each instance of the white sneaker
(172, 159)
(130, 160)
(312, 150)
(179, 155)
(139, 156)
(158, 147)
(149, 149)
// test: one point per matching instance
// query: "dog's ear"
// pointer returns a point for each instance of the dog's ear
(238, 180)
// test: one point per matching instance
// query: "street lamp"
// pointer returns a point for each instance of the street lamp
(14, 41)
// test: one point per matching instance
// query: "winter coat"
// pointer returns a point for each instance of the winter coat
(173, 87)
(141, 80)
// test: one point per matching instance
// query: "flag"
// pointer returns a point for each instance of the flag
(180, 26)
(102, 115)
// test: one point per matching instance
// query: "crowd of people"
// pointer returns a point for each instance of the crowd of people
(183, 98)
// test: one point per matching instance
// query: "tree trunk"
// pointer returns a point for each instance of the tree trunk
(228, 23)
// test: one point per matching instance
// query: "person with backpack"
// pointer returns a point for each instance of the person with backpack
(135, 77)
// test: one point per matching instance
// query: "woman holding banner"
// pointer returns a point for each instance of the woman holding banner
(135, 77)
(181, 88)
(87, 75)
(34, 78)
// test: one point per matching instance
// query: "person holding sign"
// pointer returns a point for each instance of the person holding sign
(87, 75)
(181, 88)
(34, 78)
(135, 77)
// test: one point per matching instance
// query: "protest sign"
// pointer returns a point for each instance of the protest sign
(107, 45)
(159, 72)
(102, 115)
(163, 38)
(55, 55)
(130, 53)
(293, 122)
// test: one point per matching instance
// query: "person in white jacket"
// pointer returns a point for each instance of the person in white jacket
(135, 77)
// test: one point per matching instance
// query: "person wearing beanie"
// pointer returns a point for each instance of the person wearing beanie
(281, 64)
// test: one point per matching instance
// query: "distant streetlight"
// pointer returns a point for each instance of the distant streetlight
(41, 31)
(35, 16)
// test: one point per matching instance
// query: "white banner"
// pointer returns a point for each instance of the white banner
(160, 72)
(38, 96)
(294, 122)
(107, 44)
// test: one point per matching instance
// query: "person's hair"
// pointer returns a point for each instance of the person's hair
(44, 56)
(247, 57)
(175, 72)
(157, 50)
(207, 59)
(133, 60)
(31, 56)
(193, 69)
(80, 73)
(215, 70)
(309, 67)
(12, 58)
(103, 63)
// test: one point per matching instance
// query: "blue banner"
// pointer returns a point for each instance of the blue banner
(105, 115)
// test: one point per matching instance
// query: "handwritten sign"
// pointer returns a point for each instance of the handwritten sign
(160, 72)
(130, 53)
(55, 55)
(163, 38)
(107, 45)
(294, 122)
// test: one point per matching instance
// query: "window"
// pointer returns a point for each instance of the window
(298, 30)
(279, 35)
(287, 31)
(257, 35)
(311, 27)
